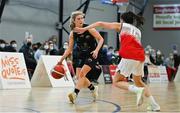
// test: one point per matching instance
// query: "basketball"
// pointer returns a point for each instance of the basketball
(58, 72)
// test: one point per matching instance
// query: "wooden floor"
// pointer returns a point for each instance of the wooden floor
(111, 99)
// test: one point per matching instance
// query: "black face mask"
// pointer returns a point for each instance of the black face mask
(35, 48)
(29, 44)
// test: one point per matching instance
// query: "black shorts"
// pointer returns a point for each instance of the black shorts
(90, 61)
(94, 73)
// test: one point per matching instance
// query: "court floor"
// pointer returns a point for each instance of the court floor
(111, 100)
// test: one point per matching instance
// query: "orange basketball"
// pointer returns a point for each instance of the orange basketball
(58, 72)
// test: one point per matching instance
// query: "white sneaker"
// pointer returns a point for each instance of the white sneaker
(72, 97)
(95, 93)
(139, 94)
(153, 107)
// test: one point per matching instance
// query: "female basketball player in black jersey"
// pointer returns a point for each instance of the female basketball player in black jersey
(87, 53)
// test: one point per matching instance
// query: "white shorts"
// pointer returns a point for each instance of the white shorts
(127, 67)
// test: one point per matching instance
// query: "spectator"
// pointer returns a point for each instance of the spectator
(62, 49)
(171, 70)
(2, 45)
(54, 39)
(176, 58)
(12, 47)
(29, 56)
(52, 49)
(159, 59)
(103, 58)
(110, 54)
(43, 50)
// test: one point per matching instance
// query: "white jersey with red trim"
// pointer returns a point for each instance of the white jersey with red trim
(131, 30)
(130, 39)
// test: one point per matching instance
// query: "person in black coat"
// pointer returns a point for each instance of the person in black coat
(29, 56)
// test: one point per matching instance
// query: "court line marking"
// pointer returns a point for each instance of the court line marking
(118, 108)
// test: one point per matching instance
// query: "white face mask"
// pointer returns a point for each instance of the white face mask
(46, 46)
(147, 52)
(14, 45)
(116, 53)
(2, 45)
(171, 57)
(175, 52)
(158, 53)
(65, 46)
(51, 47)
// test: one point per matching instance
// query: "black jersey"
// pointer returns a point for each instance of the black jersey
(85, 43)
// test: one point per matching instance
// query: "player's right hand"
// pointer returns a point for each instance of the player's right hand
(59, 62)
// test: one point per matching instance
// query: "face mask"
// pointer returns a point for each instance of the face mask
(29, 44)
(171, 57)
(147, 52)
(162, 58)
(2, 45)
(158, 53)
(116, 53)
(65, 46)
(175, 52)
(51, 48)
(104, 49)
(14, 45)
(46, 47)
(153, 54)
(35, 48)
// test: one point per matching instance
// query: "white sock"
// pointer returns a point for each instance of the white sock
(152, 100)
(133, 88)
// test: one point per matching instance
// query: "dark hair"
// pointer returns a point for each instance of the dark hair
(131, 18)
(12, 41)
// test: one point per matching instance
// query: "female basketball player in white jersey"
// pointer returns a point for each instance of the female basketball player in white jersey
(132, 53)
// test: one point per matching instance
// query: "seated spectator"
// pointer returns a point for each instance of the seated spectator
(34, 47)
(52, 49)
(110, 53)
(12, 47)
(62, 49)
(176, 58)
(43, 50)
(159, 58)
(54, 40)
(103, 58)
(2, 45)
(171, 70)
(153, 56)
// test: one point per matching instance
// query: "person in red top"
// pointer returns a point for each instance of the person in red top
(132, 53)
